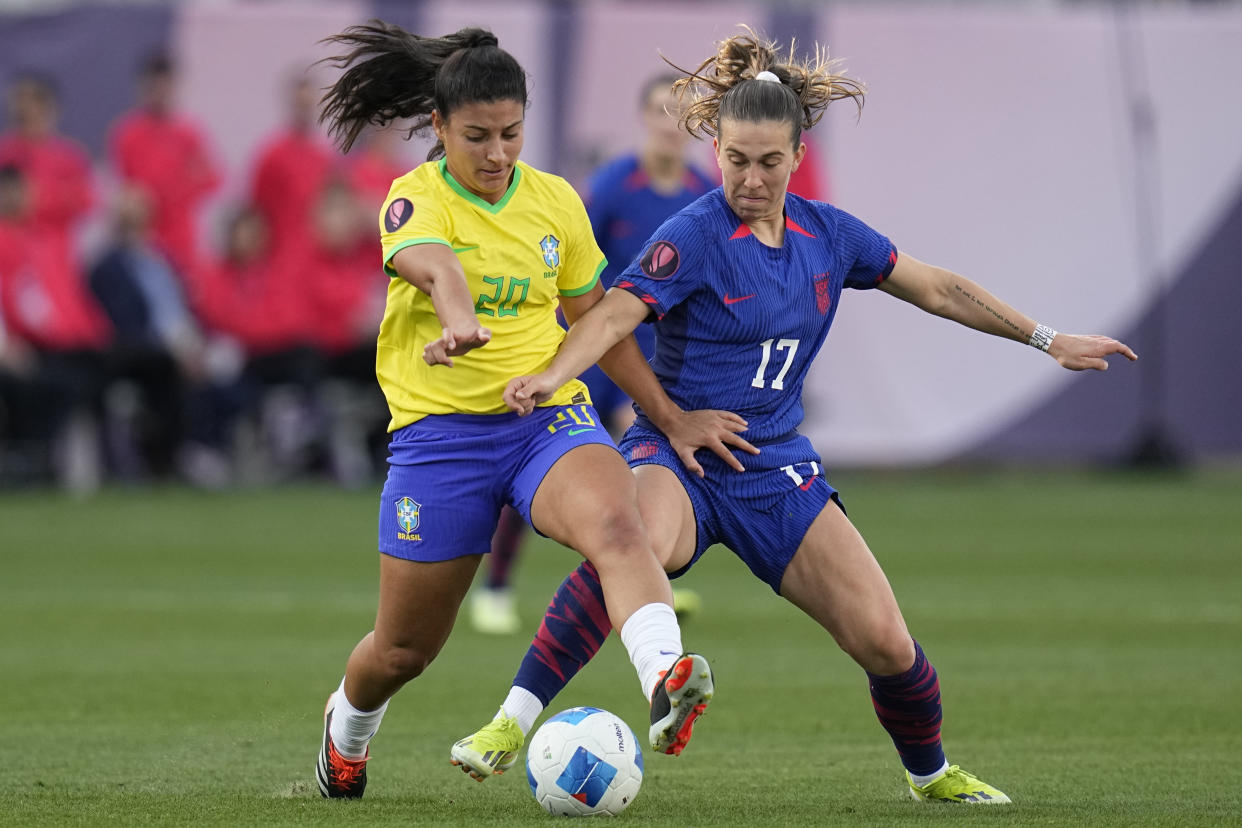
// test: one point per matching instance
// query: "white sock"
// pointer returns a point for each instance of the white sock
(653, 640)
(352, 728)
(523, 705)
(922, 781)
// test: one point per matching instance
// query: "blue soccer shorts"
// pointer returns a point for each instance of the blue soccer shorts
(761, 514)
(450, 474)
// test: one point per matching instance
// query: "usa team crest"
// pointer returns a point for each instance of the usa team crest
(408, 518)
(551, 247)
(823, 293)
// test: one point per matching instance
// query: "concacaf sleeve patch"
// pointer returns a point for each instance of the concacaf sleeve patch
(661, 260)
(397, 214)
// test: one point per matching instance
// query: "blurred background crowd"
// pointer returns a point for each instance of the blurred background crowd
(190, 280)
(159, 353)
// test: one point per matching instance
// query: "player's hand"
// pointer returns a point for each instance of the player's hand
(522, 394)
(455, 342)
(707, 428)
(1078, 353)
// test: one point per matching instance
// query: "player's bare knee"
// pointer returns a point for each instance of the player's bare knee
(614, 532)
(884, 650)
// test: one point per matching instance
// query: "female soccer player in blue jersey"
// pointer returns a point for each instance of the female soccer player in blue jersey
(743, 285)
(481, 248)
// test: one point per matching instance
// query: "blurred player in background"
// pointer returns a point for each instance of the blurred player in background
(292, 169)
(56, 169)
(57, 333)
(256, 311)
(338, 268)
(163, 153)
(744, 285)
(156, 353)
(375, 161)
(627, 199)
(478, 234)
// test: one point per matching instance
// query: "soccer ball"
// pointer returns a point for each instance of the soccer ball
(584, 761)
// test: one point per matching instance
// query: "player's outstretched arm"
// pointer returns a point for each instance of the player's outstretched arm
(947, 294)
(595, 328)
(435, 270)
(600, 328)
(599, 323)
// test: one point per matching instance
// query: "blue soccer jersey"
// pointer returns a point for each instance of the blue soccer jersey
(737, 322)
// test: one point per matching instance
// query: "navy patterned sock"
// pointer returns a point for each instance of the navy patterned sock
(574, 627)
(908, 706)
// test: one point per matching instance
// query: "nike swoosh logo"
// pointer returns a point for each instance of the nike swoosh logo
(733, 300)
(464, 249)
(808, 483)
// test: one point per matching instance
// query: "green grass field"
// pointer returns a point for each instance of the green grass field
(165, 655)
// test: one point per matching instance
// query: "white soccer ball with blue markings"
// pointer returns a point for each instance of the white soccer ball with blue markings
(584, 761)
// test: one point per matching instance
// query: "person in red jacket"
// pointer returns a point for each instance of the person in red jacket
(165, 154)
(344, 287)
(56, 169)
(253, 303)
(377, 159)
(291, 171)
(235, 294)
(54, 336)
(45, 299)
(338, 271)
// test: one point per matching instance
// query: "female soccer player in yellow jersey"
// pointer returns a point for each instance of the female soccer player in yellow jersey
(481, 248)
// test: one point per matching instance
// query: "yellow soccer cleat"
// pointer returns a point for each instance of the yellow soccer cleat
(491, 749)
(957, 785)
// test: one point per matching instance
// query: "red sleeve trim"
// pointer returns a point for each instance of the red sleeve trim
(888, 268)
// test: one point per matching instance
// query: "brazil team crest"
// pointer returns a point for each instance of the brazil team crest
(407, 518)
(551, 247)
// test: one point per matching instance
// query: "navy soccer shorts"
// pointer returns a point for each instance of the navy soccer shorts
(761, 514)
(450, 474)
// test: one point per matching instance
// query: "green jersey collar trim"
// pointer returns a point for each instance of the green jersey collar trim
(474, 199)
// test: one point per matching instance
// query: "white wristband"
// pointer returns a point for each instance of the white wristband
(1042, 338)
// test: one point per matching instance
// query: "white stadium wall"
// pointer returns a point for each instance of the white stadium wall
(999, 144)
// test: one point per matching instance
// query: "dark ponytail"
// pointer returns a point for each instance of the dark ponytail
(391, 74)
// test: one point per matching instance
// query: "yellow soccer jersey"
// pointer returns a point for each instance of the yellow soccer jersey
(519, 255)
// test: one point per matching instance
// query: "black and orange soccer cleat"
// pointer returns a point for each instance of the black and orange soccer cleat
(338, 777)
(678, 700)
